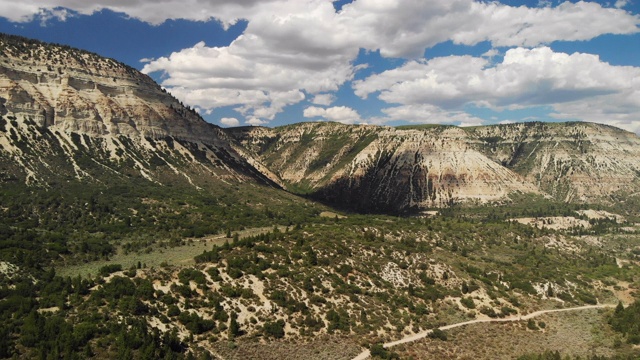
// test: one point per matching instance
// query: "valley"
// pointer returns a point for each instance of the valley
(131, 228)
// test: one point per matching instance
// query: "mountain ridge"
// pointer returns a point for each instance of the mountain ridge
(399, 169)
(51, 92)
(59, 102)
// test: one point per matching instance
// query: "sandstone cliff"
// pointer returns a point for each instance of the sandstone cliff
(69, 114)
(61, 101)
(571, 161)
(371, 168)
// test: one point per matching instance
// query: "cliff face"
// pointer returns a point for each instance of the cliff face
(59, 101)
(72, 90)
(371, 168)
(66, 113)
(571, 161)
(398, 169)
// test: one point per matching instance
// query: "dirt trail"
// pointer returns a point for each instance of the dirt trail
(366, 354)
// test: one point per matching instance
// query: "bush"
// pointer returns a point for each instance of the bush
(488, 311)
(378, 351)
(468, 302)
(438, 334)
(274, 329)
(109, 269)
(189, 274)
(506, 311)
(173, 311)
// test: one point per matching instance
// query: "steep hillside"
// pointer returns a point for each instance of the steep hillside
(65, 110)
(369, 168)
(132, 229)
(95, 156)
(571, 161)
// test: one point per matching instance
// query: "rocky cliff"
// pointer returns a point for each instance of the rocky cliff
(62, 103)
(371, 168)
(571, 161)
(69, 114)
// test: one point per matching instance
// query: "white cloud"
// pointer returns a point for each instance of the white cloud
(291, 48)
(323, 99)
(399, 28)
(577, 86)
(404, 28)
(621, 3)
(521, 26)
(428, 114)
(341, 114)
(255, 121)
(229, 122)
(310, 48)
(267, 68)
(491, 53)
(153, 12)
(525, 77)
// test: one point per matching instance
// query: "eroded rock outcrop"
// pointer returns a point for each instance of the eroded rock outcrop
(370, 168)
(57, 100)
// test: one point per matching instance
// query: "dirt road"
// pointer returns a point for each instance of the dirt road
(366, 354)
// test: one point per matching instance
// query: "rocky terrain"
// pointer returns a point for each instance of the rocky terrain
(62, 103)
(59, 104)
(131, 228)
(571, 161)
(369, 168)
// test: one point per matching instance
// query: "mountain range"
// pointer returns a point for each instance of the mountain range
(132, 228)
(61, 106)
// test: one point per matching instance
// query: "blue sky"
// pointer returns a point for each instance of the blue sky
(274, 62)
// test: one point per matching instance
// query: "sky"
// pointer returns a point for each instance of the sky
(386, 62)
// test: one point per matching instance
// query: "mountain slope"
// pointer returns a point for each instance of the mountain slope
(61, 107)
(97, 179)
(369, 168)
(96, 157)
(571, 161)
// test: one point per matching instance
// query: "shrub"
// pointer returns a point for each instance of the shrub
(109, 269)
(468, 302)
(438, 334)
(274, 329)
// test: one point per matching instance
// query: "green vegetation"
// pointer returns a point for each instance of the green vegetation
(304, 269)
(425, 127)
(108, 252)
(627, 321)
(438, 334)
(379, 352)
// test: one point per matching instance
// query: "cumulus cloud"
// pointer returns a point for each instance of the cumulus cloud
(271, 66)
(292, 49)
(229, 122)
(309, 48)
(154, 12)
(428, 114)
(577, 86)
(324, 99)
(404, 28)
(522, 26)
(341, 114)
(254, 121)
(621, 3)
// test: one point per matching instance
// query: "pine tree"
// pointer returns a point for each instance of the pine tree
(619, 308)
(234, 328)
